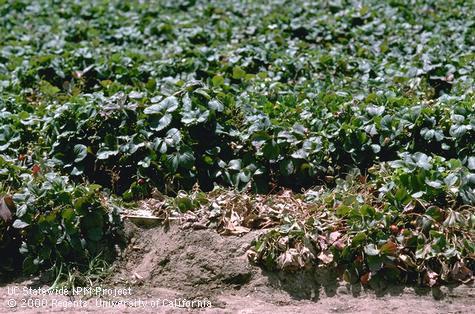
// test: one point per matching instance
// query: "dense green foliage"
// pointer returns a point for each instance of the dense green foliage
(257, 95)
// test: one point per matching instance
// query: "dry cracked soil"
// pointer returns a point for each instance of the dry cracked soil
(176, 269)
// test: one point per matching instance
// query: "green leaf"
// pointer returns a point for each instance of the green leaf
(375, 263)
(418, 194)
(471, 163)
(104, 153)
(95, 233)
(30, 265)
(19, 224)
(371, 250)
(375, 110)
(244, 176)
(173, 137)
(436, 184)
(235, 164)
(300, 154)
(435, 213)
(169, 104)
(343, 210)
(358, 239)
(163, 122)
(458, 131)
(80, 152)
(77, 171)
(367, 211)
(216, 105)
(184, 204)
(48, 89)
(450, 180)
(376, 148)
(271, 150)
(238, 73)
(286, 167)
(186, 159)
(217, 80)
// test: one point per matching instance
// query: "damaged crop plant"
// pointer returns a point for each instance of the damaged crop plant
(362, 114)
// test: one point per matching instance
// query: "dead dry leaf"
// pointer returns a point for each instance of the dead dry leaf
(6, 207)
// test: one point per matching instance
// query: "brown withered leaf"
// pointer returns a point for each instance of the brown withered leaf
(389, 248)
(235, 230)
(325, 257)
(430, 278)
(334, 236)
(290, 260)
(340, 244)
(460, 272)
(6, 208)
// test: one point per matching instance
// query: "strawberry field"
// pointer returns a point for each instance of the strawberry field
(345, 129)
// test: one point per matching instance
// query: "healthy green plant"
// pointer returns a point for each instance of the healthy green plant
(52, 222)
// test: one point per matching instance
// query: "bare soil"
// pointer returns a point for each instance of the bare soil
(167, 267)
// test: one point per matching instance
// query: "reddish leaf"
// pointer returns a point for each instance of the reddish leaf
(35, 169)
(389, 248)
(365, 278)
(394, 229)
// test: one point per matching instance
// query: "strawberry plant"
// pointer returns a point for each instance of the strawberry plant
(103, 100)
